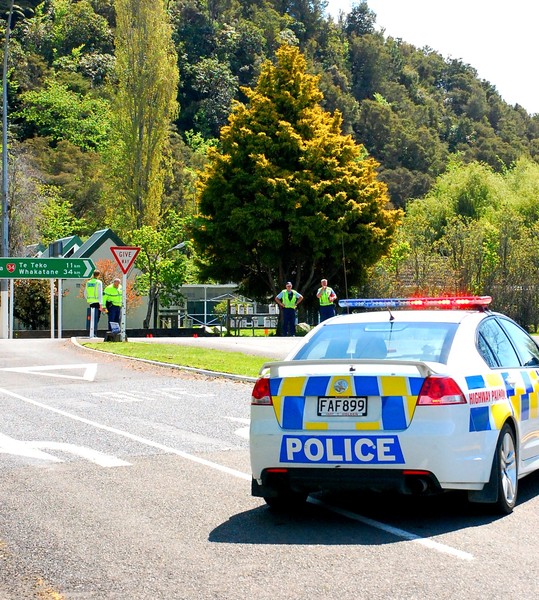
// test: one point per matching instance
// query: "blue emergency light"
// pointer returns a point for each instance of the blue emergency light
(449, 302)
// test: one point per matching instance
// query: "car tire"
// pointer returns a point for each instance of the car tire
(286, 501)
(505, 469)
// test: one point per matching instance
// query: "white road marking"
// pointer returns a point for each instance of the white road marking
(401, 533)
(89, 371)
(159, 393)
(184, 392)
(243, 432)
(9, 445)
(131, 436)
(119, 396)
(95, 456)
(405, 535)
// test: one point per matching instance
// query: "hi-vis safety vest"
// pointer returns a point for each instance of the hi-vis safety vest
(92, 291)
(113, 294)
(324, 297)
(287, 302)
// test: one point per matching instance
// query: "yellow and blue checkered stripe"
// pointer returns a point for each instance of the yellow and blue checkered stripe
(398, 399)
(521, 400)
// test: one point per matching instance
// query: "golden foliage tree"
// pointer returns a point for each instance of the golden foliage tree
(287, 196)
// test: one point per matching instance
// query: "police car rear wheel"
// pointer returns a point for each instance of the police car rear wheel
(506, 467)
(286, 501)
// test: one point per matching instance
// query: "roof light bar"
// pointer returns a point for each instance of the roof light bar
(442, 302)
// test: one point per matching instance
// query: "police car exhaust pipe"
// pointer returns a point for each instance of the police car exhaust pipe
(417, 485)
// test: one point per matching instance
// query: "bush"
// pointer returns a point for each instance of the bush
(302, 329)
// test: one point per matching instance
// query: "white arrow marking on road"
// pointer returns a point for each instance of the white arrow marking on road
(8, 445)
(89, 371)
(99, 458)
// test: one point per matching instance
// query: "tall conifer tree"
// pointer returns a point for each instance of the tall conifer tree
(287, 196)
(145, 106)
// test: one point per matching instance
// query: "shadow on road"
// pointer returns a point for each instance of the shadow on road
(316, 524)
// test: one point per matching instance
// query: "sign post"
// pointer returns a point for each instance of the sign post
(125, 257)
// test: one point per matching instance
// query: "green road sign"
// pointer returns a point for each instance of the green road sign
(46, 268)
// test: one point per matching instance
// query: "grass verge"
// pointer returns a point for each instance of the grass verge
(234, 363)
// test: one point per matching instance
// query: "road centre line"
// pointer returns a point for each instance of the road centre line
(400, 533)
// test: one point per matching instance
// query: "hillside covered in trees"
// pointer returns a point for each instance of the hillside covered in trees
(413, 111)
(411, 108)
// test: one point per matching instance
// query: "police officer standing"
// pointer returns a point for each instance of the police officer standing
(93, 292)
(112, 297)
(327, 297)
(288, 299)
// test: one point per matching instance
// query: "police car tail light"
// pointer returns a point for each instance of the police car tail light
(261, 392)
(440, 390)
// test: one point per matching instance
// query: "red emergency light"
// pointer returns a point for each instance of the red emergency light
(449, 302)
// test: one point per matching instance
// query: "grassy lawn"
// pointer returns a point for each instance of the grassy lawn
(235, 363)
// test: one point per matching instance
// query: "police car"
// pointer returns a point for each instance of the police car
(420, 395)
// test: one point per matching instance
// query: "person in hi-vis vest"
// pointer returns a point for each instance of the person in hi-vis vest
(288, 299)
(326, 297)
(112, 297)
(93, 292)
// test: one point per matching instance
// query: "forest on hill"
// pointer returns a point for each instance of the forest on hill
(411, 108)
(418, 114)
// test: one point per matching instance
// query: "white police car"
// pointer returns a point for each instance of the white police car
(407, 399)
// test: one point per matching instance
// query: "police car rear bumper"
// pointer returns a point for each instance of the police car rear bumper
(274, 482)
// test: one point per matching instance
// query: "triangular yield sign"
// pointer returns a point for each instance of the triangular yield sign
(125, 256)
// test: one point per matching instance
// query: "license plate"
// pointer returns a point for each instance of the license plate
(342, 407)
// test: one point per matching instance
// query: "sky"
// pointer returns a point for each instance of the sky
(496, 37)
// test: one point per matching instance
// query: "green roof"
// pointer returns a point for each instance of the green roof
(95, 241)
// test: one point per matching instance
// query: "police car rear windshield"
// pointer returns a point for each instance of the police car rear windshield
(403, 341)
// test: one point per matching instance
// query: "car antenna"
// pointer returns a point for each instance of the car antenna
(344, 270)
(391, 316)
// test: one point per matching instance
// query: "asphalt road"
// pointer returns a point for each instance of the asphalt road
(125, 481)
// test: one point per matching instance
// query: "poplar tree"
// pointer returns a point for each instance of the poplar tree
(287, 196)
(145, 106)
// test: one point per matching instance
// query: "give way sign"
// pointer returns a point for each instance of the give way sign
(125, 256)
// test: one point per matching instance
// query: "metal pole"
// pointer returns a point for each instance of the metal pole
(124, 306)
(4, 297)
(59, 309)
(11, 305)
(92, 332)
(53, 326)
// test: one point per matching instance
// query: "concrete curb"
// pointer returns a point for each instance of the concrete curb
(242, 378)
